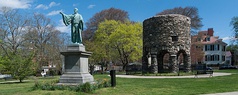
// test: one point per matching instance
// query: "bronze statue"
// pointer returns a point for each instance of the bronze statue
(76, 21)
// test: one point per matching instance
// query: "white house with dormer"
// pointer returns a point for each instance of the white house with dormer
(214, 48)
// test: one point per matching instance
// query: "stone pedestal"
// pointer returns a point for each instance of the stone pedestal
(75, 66)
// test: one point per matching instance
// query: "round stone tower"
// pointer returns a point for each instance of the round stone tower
(166, 34)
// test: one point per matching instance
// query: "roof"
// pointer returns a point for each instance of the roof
(214, 40)
(203, 35)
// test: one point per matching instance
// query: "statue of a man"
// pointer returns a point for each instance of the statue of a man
(76, 21)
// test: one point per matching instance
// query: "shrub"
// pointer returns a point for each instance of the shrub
(86, 87)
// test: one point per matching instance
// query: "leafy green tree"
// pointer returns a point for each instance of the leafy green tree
(122, 41)
(19, 66)
(107, 14)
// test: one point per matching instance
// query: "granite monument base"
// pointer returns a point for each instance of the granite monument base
(75, 66)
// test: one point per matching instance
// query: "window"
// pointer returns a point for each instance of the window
(208, 39)
(212, 47)
(218, 47)
(216, 57)
(215, 47)
(199, 39)
(212, 58)
(223, 58)
(208, 47)
(224, 48)
(174, 38)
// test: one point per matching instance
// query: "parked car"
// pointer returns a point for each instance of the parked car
(227, 66)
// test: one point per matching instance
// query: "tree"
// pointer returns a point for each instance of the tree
(234, 24)
(119, 40)
(108, 14)
(233, 48)
(12, 27)
(191, 12)
(197, 53)
(45, 40)
(19, 65)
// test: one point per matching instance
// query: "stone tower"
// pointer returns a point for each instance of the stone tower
(166, 34)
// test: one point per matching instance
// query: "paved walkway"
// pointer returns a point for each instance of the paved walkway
(14, 81)
(190, 76)
(226, 93)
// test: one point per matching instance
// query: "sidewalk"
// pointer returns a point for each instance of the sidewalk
(226, 93)
(190, 76)
(14, 81)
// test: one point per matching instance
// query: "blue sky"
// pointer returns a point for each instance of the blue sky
(216, 14)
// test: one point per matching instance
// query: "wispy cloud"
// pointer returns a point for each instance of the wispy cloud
(74, 5)
(229, 38)
(16, 4)
(62, 28)
(53, 4)
(45, 7)
(54, 12)
(91, 6)
(41, 6)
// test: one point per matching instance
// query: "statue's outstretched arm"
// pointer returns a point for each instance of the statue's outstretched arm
(66, 18)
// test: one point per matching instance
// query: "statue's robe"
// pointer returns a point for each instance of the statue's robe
(76, 35)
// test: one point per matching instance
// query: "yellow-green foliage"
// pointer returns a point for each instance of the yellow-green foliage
(18, 65)
(120, 40)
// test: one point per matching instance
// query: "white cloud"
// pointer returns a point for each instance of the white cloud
(41, 6)
(91, 6)
(229, 38)
(53, 4)
(54, 12)
(16, 4)
(74, 5)
(62, 28)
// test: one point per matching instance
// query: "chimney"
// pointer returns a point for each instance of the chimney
(210, 31)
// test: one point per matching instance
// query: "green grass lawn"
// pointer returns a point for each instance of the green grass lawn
(125, 86)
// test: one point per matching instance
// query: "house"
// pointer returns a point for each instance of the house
(228, 57)
(207, 48)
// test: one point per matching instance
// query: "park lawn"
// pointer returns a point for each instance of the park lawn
(189, 86)
(25, 88)
(127, 86)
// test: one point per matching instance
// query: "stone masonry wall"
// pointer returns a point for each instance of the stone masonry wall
(170, 33)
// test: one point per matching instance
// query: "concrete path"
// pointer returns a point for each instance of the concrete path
(190, 76)
(226, 93)
(14, 81)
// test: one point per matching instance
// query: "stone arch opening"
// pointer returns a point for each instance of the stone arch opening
(163, 61)
(182, 60)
